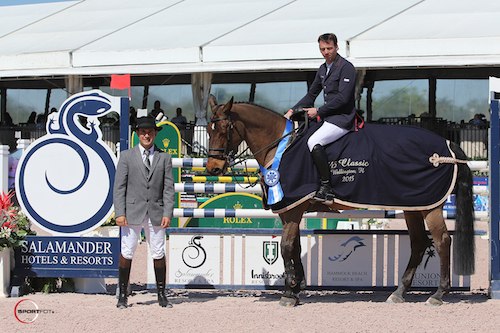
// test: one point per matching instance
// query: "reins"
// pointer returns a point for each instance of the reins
(297, 115)
(237, 159)
(232, 159)
(269, 146)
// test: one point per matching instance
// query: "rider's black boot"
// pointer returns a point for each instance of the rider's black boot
(325, 191)
(160, 274)
(123, 277)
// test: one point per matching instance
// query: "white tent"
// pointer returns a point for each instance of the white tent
(432, 33)
(187, 36)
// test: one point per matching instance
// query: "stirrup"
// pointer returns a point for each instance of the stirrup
(324, 193)
(328, 198)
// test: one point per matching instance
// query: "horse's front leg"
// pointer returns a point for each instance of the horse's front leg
(288, 252)
(299, 268)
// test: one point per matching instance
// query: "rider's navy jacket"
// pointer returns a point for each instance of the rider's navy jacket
(338, 90)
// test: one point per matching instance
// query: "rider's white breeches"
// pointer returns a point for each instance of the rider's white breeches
(326, 134)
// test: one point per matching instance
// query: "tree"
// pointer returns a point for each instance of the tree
(400, 103)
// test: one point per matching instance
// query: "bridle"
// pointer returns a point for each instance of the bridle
(228, 154)
(225, 153)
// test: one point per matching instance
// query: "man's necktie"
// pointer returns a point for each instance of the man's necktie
(147, 163)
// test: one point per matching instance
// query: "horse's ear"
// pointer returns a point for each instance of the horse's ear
(212, 101)
(228, 106)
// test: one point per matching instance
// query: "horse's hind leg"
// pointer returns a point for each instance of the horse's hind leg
(442, 242)
(419, 243)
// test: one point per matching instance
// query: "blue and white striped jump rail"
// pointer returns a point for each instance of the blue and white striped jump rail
(251, 163)
(217, 188)
(247, 188)
(261, 213)
(202, 162)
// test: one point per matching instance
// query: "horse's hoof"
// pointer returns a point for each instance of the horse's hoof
(289, 301)
(434, 301)
(303, 284)
(393, 299)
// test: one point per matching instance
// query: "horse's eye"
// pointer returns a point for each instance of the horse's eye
(213, 126)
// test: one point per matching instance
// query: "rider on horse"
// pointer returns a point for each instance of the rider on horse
(337, 78)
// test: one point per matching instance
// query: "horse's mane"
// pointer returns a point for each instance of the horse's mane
(257, 105)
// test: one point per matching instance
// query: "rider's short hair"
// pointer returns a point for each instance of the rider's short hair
(329, 37)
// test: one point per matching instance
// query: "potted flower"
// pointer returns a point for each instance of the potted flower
(14, 227)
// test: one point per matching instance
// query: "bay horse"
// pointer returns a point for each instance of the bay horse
(231, 123)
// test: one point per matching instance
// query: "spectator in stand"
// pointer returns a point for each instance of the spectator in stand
(479, 120)
(31, 119)
(157, 110)
(7, 120)
(52, 115)
(40, 121)
(179, 120)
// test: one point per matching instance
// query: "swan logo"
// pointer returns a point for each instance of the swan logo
(64, 180)
(194, 254)
(347, 248)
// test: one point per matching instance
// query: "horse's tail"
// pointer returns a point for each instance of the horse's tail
(463, 240)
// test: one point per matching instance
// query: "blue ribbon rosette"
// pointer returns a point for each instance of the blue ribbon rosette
(272, 175)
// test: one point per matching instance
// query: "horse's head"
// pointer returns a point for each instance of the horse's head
(224, 138)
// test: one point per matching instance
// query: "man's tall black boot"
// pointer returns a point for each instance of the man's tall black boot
(324, 192)
(123, 278)
(160, 274)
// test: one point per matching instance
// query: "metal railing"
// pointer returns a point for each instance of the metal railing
(10, 134)
(472, 139)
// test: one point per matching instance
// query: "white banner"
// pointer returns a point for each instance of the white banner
(347, 260)
(194, 259)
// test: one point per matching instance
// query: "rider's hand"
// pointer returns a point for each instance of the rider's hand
(288, 114)
(311, 112)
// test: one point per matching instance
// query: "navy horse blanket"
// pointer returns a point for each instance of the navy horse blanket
(379, 166)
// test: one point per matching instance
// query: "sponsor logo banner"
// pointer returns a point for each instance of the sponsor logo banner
(68, 256)
(194, 260)
(347, 260)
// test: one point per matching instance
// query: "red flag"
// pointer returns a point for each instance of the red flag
(120, 81)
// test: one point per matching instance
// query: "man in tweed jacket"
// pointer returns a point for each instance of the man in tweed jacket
(143, 196)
